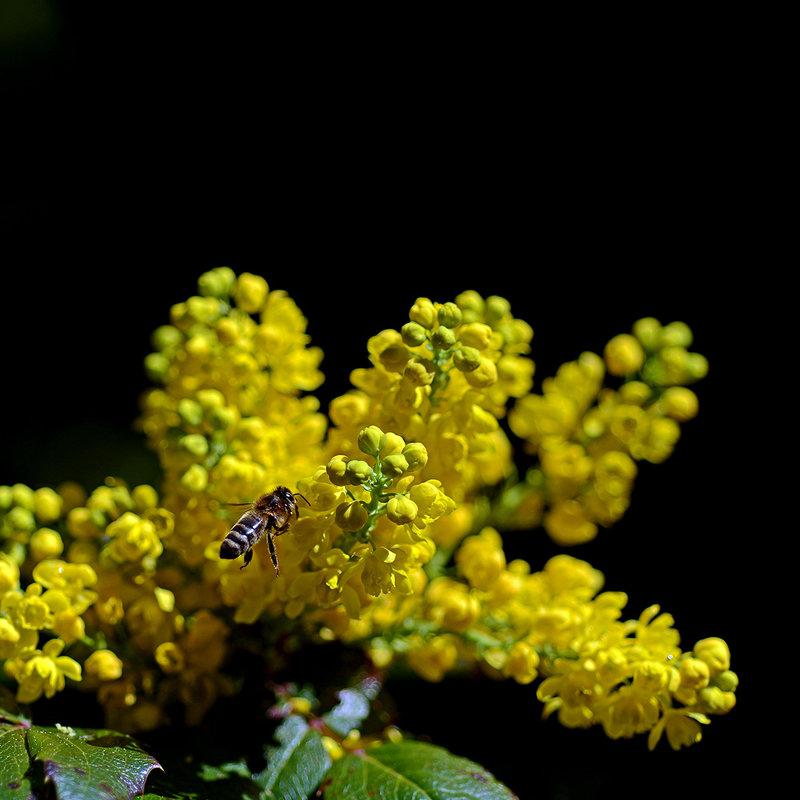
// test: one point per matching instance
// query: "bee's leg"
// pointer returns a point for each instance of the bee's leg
(279, 531)
(248, 557)
(272, 554)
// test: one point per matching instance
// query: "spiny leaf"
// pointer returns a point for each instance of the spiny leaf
(14, 763)
(412, 771)
(298, 765)
(91, 764)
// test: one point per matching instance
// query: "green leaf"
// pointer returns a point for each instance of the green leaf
(298, 765)
(14, 763)
(89, 764)
(412, 771)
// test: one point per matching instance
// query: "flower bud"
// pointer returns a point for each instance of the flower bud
(416, 456)
(471, 305)
(337, 470)
(443, 338)
(496, 308)
(394, 465)
(195, 479)
(694, 673)
(47, 504)
(351, 516)
(156, 367)
(9, 573)
(466, 359)
(144, 496)
(358, 471)
(195, 444)
(219, 282)
(23, 496)
(476, 335)
(420, 372)
(696, 366)
(648, 332)
(251, 292)
(394, 357)
(413, 334)
(727, 681)
(165, 337)
(483, 376)
(623, 355)
(401, 510)
(103, 664)
(21, 519)
(714, 651)
(190, 411)
(6, 498)
(679, 403)
(676, 334)
(45, 543)
(423, 312)
(712, 700)
(394, 443)
(371, 440)
(449, 315)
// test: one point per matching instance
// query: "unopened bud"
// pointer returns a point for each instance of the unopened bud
(371, 440)
(413, 334)
(394, 465)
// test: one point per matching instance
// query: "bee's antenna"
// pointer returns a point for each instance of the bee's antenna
(297, 494)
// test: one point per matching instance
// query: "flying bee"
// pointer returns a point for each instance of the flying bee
(270, 514)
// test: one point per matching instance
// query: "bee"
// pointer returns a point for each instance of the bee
(270, 514)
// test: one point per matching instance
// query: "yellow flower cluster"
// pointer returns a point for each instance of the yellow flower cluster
(228, 420)
(630, 676)
(362, 535)
(86, 573)
(443, 380)
(589, 435)
(123, 590)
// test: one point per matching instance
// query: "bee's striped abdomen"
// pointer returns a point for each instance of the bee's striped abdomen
(243, 535)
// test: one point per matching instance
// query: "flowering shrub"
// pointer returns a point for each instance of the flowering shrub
(405, 490)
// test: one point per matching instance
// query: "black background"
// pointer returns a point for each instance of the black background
(357, 173)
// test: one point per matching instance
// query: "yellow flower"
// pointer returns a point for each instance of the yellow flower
(682, 728)
(28, 610)
(47, 504)
(103, 665)
(451, 605)
(9, 573)
(133, 539)
(434, 657)
(629, 711)
(522, 663)
(45, 543)
(14, 639)
(714, 653)
(42, 671)
(170, 658)
(250, 292)
(568, 523)
(401, 510)
(623, 355)
(480, 559)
